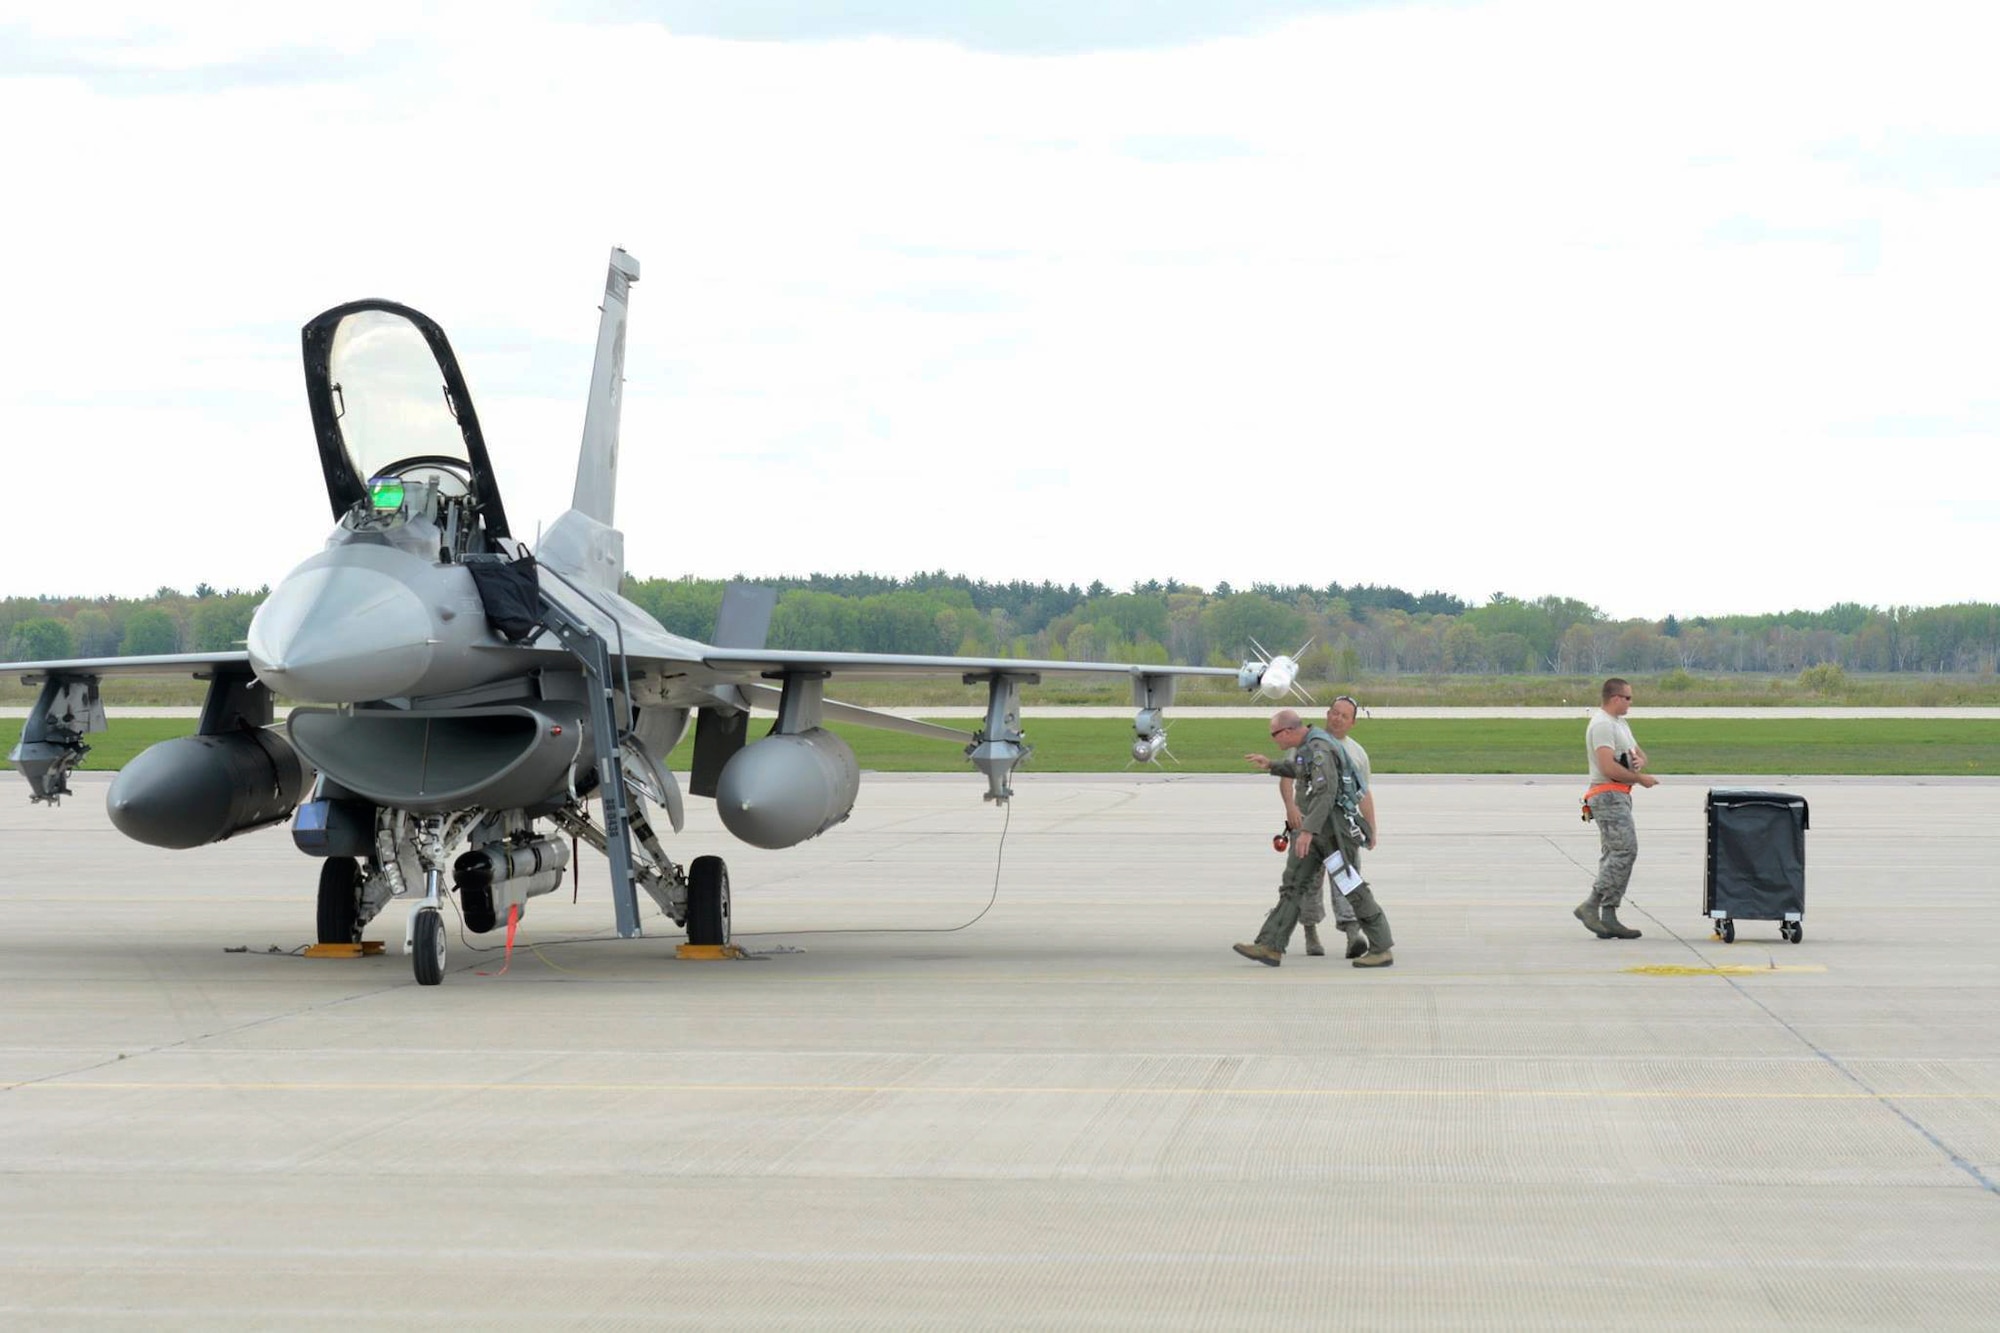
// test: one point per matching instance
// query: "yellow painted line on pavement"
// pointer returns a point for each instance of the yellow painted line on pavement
(1722, 969)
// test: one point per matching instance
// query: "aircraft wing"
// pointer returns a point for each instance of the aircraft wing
(754, 662)
(70, 707)
(996, 748)
(162, 665)
(763, 696)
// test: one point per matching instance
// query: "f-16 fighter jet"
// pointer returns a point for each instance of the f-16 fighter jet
(463, 703)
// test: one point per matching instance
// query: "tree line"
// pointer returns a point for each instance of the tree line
(1355, 630)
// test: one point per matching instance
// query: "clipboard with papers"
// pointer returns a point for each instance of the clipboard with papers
(1345, 877)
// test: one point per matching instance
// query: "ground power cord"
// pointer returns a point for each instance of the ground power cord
(999, 858)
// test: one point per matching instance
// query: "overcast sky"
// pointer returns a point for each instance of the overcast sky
(1676, 307)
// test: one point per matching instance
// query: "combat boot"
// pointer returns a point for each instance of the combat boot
(1257, 953)
(1313, 946)
(1586, 912)
(1357, 943)
(1613, 928)
(1384, 958)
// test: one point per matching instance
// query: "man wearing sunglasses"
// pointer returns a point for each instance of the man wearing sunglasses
(1340, 715)
(1616, 766)
(1355, 796)
(1328, 839)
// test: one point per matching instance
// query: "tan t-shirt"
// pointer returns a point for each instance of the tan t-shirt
(1605, 729)
(1357, 759)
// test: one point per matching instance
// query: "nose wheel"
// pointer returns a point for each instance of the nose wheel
(423, 939)
(427, 947)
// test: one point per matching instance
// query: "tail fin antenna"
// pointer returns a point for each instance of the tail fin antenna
(597, 463)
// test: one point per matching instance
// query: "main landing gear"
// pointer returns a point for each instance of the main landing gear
(708, 901)
(352, 891)
(340, 900)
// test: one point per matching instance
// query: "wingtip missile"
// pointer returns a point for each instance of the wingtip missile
(1273, 675)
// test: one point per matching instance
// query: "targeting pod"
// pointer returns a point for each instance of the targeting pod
(499, 877)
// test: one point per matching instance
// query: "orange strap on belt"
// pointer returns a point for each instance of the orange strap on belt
(1608, 786)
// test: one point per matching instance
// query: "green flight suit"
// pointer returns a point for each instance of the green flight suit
(1319, 773)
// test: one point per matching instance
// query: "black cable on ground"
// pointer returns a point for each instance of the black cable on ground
(999, 855)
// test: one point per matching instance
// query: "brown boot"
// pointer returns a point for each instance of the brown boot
(1313, 946)
(1357, 943)
(1382, 959)
(1586, 912)
(1257, 953)
(1613, 928)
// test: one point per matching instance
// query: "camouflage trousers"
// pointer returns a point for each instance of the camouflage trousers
(1302, 882)
(1618, 847)
(1313, 910)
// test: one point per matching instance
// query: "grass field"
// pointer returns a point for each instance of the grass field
(1862, 746)
(1910, 689)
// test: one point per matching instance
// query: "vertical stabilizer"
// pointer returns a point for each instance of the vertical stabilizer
(597, 464)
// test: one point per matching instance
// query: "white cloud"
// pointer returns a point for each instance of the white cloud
(1683, 310)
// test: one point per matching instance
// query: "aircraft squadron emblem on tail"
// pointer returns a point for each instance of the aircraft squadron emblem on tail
(461, 702)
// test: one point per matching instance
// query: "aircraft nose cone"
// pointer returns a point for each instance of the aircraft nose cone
(341, 634)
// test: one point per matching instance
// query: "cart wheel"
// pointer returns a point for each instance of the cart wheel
(1728, 931)
(1715, 925)
(1795, 931)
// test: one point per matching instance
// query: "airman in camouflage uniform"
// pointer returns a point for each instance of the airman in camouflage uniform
(1617, 765)
(1356, 796)
(1317, 769)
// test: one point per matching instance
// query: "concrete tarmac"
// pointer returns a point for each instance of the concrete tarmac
(1081, 1110)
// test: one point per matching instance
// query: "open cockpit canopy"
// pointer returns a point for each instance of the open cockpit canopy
(389, 405)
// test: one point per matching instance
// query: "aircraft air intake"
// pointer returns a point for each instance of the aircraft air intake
(435, 761)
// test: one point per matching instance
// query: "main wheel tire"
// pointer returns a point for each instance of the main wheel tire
(340, 901)
(1728, 931)
(427, 949)
(708, 901)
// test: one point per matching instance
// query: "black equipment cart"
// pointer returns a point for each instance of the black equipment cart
(1756, 861)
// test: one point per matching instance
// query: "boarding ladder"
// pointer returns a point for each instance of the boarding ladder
(590, 648)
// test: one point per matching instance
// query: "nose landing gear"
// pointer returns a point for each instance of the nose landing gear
(423, 939)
